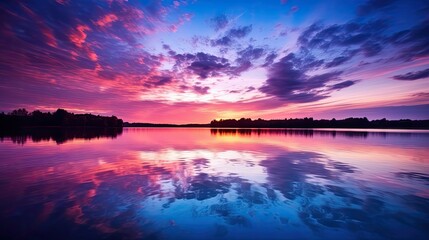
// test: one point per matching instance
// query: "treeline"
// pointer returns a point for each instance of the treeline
(61, 118)
(323, 123)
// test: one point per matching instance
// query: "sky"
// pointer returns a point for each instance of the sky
(192, 61)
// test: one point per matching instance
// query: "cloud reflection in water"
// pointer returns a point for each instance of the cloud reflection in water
(148, 184)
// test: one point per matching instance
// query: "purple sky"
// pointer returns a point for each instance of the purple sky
(194, 61)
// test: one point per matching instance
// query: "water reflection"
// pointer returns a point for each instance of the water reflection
(58, 134)
(356, 133)
(193, 184)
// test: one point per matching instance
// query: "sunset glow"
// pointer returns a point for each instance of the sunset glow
(193, 61)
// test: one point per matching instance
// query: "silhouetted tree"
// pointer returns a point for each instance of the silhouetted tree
(322, 123)
(19, 112)
(21, 118)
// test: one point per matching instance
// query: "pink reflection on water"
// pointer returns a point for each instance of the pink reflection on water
(143, 165)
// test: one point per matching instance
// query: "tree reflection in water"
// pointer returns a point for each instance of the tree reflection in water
(141, 188)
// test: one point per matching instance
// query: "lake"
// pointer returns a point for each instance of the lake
(177, 183)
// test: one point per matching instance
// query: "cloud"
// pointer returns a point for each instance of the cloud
(341, 59)
(90, 54)
(184, 18)
(182, 60)
(78, 36)
(107, 20)
(371, 48)
(168, 49)
(421, 95)
(288, 81)
(219, 22)
(223, 41)
(79, 53)
(350, 34)
(107, 74)
(269, 59)
(306, 35)
(231, 35)
(411, 43)
(372, 6)
(201, 90)
(157, 81)
(155, 9)
(294, 9)
(241, 67)
(176, 4)
(340, 43)
(246, 57)
(239, 32)
(345, 41)
(411, 76)
(337, 61)
(206, 65)
(249, 89)
(249, 56)
(250, 53)
(82, 38)
(342, 85)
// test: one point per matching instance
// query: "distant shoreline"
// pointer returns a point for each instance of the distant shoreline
(303, 123)
(290, 128)
(21, 118)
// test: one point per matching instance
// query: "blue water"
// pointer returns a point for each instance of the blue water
(166, 183)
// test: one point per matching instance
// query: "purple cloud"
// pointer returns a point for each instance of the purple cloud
(239, 32)
(231, 35)
(269, 59)
(223, 41)
(342, 85)
(371, 48)
(351, 34)
(368, 38)
(250, 53)
(156, 81)
(341, 59)
(201, 90)
(206, 65)
(219, 22)
(412, 43)
(411, 76)
(241, 67)
(289, 82)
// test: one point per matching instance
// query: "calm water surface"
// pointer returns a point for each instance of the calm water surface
(162, 183)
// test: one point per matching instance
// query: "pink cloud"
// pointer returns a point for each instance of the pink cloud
(50, 38)
(78, 37)
(45, 30)
(92, 55)
(107, 20)
(184, 18)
